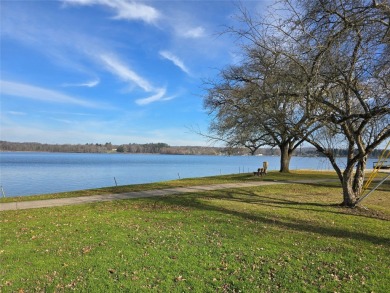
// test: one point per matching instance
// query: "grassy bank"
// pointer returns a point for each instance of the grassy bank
(271, 176)
(280, 238)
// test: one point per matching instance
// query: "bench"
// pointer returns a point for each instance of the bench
(381, 164)
(260, 172)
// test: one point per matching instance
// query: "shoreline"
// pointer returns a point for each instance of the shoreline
(173, 154)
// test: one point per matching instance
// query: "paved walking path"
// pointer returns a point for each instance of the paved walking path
(136, 194)
(140, 194)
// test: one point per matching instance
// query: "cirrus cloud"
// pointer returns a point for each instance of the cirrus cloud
(41, 94)
(121, 70)
(175, 60)
(154, 98)
(127, 10)
(118, 68)
(193, 33)
(91, 83)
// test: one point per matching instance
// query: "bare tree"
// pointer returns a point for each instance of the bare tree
(260, 102)
(349, 46)
(318, 71)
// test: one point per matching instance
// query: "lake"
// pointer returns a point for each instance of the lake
(28, 173)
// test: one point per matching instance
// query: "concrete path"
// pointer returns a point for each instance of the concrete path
(137, 194)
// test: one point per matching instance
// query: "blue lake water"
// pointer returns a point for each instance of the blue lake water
(38, 173)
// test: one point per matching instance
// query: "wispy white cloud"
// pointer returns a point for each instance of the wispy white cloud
(154, 98)
(171, 57)
(123, 9)
(67, 113)
(121, 70)
(169, 98)
(118, 68)
(84, 51)
(91, 83)
(41, 94)
(65, 121)
(63, 45)
(193, 33)
(17, 113)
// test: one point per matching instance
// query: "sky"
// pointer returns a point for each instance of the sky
(97, 71)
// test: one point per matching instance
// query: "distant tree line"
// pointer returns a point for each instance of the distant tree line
(312, 152)
(344, 153)
(56, 148)
(133, 148)
(163, 148)
(150, 148)
(159, 148)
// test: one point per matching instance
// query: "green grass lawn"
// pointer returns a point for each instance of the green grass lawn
(279, 238)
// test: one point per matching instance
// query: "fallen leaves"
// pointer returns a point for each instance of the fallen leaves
(86, 249)
(179, 279)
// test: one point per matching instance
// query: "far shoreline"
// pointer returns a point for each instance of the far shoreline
(173, 154)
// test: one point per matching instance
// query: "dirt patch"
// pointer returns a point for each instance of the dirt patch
(366, 212)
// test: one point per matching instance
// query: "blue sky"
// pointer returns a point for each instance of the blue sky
(96, 71)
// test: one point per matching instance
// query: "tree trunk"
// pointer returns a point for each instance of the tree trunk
(349, 195)
(285, 158)
(359, 176)
(353, 183)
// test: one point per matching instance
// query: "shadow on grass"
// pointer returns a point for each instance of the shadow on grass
(385, 186)
(284, 222)
(327, 208)
(252, 197)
